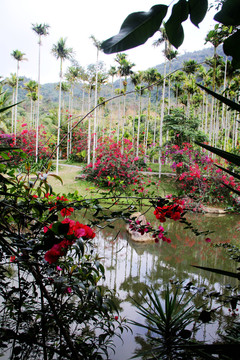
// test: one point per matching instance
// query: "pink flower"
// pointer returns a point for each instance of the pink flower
(25, 124)
(68, 290)
(208, 240)
(58, 268)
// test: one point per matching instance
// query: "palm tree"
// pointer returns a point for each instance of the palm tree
(4, 102)
(32, 87)
(90, 80)
(60, 51)
(162, 39)
(97, 44)
(170, 54)
(102, 80)
(72, 75)
(112, 72)
(136, 79)
(124, 69)
(190, 67)
(40, 30)
(150, 77)
(12, 82)
(19, 56)
(177, 78)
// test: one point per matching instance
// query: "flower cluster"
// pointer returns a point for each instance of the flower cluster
(172, 211)
(65, 211)
(115, 166)
(74, 231)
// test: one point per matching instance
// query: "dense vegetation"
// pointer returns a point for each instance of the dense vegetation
(186, 120)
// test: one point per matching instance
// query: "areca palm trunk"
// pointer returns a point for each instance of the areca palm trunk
(13, 97)
(206, 116)
(236, 130)
(124, 118)
(161, 120)
(119, 109)
(111, 107)
(89, 129)
(68, 124)
(155, 119)
(38, 99)
(95, 112)
(139, 122)
(147, 122)
(59, 116)
(15, 118)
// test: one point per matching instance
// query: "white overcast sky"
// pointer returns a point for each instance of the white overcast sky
(77, 20)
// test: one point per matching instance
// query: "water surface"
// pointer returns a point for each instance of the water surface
(131, 266)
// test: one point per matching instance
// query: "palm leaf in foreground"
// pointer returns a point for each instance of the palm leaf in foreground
(165, 323)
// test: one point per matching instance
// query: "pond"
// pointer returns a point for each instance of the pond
(131, 266)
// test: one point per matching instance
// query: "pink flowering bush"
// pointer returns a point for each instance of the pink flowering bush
(113, 168)
(26, 141)
(198, 177)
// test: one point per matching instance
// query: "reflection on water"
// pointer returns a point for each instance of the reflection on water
(130, 266)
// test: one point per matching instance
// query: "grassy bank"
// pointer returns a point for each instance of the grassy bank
(68, 173)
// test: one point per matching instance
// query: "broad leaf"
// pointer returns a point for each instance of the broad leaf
(197, 10)
(219, 271)
(229, 13)
(232, 104)
(136, 29)
(173, 26)
(57, 177)
(231, 47)
(235, 159)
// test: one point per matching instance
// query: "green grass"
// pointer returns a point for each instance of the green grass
(86, 188)
(155, 168)
(70, 185)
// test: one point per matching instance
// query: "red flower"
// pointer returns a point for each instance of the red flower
(66, 211)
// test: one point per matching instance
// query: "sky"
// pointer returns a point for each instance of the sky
(77, 20)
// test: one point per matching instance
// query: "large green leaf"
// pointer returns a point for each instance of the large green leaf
(219, 271)
(9, 107)
(136, 29)
(232, 104)
(173, 26)
(197, 10)
(231, 47)
(235, 159)
(229, 13)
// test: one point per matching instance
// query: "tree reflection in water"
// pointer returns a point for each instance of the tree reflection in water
(131, 266)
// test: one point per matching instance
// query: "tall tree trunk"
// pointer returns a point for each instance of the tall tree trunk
(89, 130)
(16, 98)
(95, 112)
(38, 99)
(13, 108)
(59, 116)
(161, 121)
(119, 110)
(111, 108)
(139, 122)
